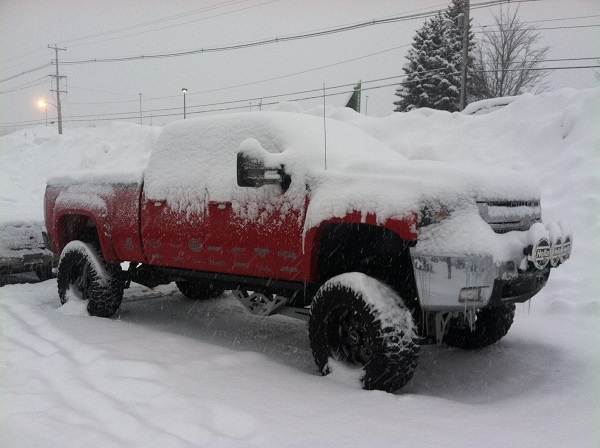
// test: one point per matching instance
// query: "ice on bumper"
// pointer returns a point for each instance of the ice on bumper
(462, 263)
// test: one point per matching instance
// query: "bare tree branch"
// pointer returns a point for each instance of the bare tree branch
(507, 59)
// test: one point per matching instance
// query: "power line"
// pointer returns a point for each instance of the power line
(27, 53)
(540, 28)
(27, 72)
(547, 20)
(163, 19)
(112, 116)
(288, 38)
(316, 96)
(178, 24)
(254, 82)
(284, 39)
(270, 79)
(134, 115)
(28, 85)
(267, 41)
(159, 20)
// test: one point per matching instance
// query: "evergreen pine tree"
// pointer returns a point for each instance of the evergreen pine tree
(434, 64)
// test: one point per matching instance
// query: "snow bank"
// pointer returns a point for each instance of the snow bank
(29, 157)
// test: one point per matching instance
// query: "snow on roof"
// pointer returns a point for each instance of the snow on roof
(194, 162)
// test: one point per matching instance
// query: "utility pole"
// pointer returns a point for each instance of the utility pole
(58, 91)
(465, 57)
(140, 108)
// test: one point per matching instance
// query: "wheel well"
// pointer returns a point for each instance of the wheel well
(373, 250)
(79, 227)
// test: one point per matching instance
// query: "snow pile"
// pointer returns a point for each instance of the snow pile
(29, 157)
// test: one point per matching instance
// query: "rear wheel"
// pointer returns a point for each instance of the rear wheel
(197, 291)
(360, 321)
(84, 275)
(491, 325)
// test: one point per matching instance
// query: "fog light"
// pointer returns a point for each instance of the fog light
(566, 248)
(473, 294)
(540, 254)
(556, 251)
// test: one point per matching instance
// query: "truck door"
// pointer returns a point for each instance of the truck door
(259, 238)
(172, 238)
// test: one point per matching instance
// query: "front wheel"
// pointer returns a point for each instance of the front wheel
(360, 321)
(83, 274)
(491, 325)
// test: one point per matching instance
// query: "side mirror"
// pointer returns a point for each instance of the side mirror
(253, 171)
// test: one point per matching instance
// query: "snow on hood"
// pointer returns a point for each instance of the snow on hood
(194, 161)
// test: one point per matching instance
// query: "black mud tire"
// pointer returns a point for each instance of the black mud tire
(199, 291)
(82, 272)
(378, 336)
(491, 325)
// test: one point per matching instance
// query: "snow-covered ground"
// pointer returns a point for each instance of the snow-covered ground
(170, 372)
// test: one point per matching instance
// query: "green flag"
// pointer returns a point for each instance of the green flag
(354, 101)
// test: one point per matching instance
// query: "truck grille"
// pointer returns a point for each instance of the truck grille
(506, 216)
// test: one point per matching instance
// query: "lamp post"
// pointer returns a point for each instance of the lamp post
(184, 90)
(44, 104)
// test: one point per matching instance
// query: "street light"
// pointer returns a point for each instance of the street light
(184, 90)
(44, 104)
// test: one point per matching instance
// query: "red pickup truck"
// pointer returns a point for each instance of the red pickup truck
(314, 219)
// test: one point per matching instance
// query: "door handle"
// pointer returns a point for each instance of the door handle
(220, 205)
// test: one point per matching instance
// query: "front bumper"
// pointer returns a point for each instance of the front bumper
(448, 282)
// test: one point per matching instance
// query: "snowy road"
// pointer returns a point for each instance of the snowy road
(172, 372)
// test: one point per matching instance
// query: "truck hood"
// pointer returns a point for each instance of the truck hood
(395, 191)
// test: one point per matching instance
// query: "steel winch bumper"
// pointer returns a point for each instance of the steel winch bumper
(449, 282)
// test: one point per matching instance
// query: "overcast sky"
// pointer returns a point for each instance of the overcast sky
(86, 29)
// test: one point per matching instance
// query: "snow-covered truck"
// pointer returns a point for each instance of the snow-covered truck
(317, 220)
